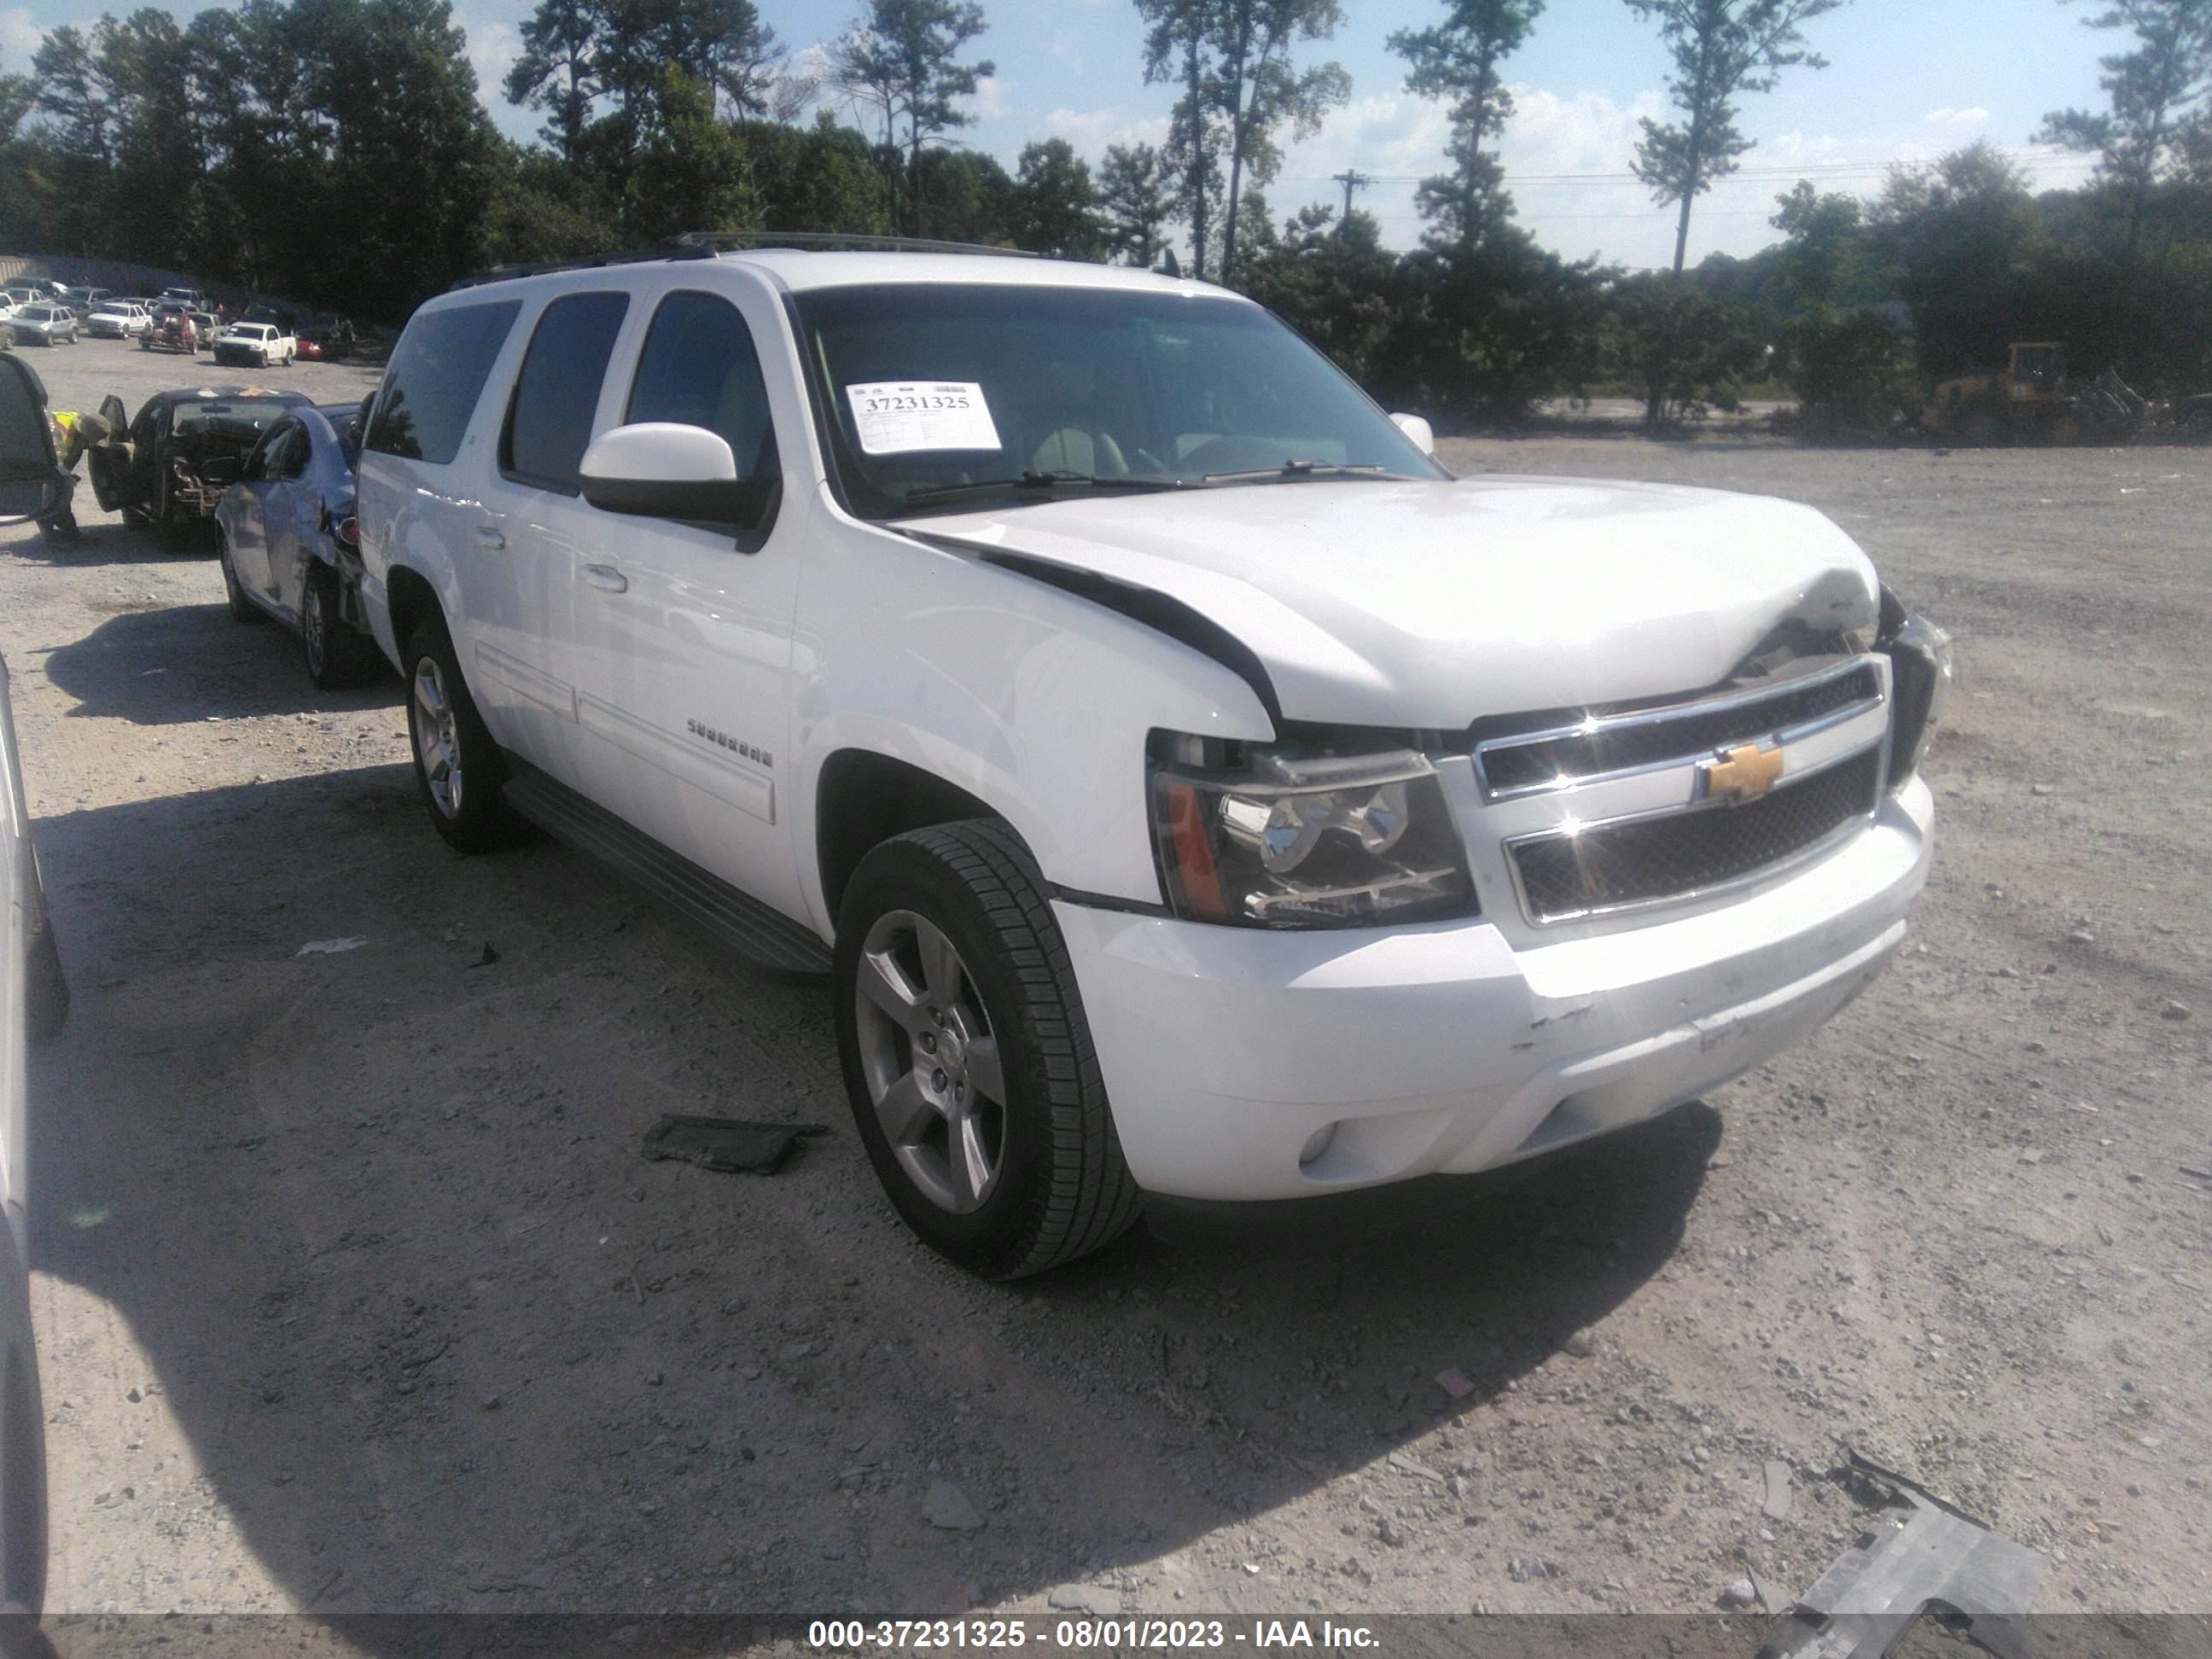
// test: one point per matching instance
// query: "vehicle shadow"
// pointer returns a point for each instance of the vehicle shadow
(438, 1341)
(182, 663)
(107, 541)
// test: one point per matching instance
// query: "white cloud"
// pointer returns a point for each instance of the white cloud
(19, 36)
(1090, 131)
(493, 48)
(1948, 117)
(990, 101)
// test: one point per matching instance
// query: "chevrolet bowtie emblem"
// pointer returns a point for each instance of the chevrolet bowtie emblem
(1740, 775)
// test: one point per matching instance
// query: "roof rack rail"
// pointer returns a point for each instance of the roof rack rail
(712, 242)
(681, 249)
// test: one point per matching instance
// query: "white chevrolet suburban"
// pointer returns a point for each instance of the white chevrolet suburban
(1190, 785)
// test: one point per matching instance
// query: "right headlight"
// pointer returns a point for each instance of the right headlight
(1920, 685)
(1296, 835)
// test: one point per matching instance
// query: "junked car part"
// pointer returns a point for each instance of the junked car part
(1921, 1556)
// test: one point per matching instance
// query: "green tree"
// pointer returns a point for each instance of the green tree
(818, 178)
(1825, 258)
(1240, 89)
(2159, 121)
(1721, 49)
(1964, 239)
(1459, 60)
(1180, 48)
(691, 174)
(1682, 346)
(1335, 283)
(1135, 195)
(899, 59)
(1055, 204)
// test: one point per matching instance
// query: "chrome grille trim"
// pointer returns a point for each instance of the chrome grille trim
(1873, 757)
(1739, 715)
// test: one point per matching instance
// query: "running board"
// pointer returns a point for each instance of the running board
(763, 936)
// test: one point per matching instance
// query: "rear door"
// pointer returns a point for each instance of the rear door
(540, 443)
(683, 631)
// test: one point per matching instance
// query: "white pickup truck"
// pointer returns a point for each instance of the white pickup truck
(1190, 785)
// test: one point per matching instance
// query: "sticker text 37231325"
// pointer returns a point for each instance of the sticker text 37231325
(896, 415)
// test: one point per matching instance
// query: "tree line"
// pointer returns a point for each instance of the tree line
(340, 152)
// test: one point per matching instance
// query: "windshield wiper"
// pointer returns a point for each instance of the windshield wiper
(1295, 470)
(1044, 481)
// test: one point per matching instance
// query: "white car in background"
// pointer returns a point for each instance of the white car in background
(119, 319)
(1189, 786)
(256, 345)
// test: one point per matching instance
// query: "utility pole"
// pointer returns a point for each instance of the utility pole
(1352, 179)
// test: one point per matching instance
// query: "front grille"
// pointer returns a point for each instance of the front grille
(1661, 735)
(1641, 860)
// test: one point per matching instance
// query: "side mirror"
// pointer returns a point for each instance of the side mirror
(665, 469)
(1424, 436)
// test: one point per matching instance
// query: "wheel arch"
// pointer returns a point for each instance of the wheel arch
(863, 797)
(410, 600)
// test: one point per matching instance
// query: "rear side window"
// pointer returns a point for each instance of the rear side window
(434, 380)
(699, 368)
(550, 421)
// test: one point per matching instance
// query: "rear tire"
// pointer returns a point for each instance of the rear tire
(242, 610)
(951, 981)
(333, 651)
(458, 769)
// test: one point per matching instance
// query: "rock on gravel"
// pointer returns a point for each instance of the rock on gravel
(945, 1505)
(1084, 1598)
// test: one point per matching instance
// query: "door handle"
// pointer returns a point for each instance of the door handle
(490, 539)
(607, 577)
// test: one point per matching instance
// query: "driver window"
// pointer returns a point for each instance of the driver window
(699, 368)
(258, 463)
(298, 448)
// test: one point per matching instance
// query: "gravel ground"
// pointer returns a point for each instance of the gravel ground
(355, 1295)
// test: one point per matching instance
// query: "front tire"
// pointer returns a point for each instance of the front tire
(456, 764)
(967, 1057)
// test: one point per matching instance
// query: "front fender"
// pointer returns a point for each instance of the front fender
(1034, 701)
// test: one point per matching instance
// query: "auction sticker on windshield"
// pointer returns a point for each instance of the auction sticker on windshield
(893, 416)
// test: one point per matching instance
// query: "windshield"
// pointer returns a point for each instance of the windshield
(228, 417)
(964, 391)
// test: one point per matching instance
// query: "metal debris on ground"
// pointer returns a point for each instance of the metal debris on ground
(328, 947)
(489, 956)
(725, 1144)
(1455, 1384)
(1777, 1504)
(1921, 1554)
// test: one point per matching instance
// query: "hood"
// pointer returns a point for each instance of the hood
(1430, 604)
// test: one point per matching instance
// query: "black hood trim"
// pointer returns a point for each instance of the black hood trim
(1143, 605)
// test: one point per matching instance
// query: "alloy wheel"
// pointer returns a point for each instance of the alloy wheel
(931, 1061)
(312, 628)
(437, 736)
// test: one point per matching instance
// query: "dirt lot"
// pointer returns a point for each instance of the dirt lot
(354, 1294)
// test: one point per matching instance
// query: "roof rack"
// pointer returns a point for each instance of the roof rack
(712, 242)
(681, 249)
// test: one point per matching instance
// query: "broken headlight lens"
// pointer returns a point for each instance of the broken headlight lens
(1920, 685)
(1295, 836)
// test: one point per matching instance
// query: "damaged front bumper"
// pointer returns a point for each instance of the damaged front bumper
(1249, 1065)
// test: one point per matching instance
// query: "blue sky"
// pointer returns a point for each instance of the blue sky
(1907, 80)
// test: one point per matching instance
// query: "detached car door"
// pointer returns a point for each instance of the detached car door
(683, 631)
